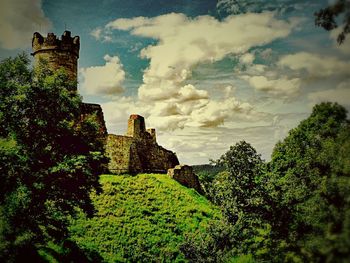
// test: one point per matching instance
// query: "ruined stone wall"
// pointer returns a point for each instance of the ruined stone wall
(154, 158)
(152, 132)
(136, 126)
(184, 175)
(118, 150)
(89, 109)
(130, 155)
(138, 151)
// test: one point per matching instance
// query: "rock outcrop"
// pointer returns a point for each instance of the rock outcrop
(184, 175)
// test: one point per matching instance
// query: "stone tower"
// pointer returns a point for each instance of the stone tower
(64, 53)
(57, 52)
(136, 126)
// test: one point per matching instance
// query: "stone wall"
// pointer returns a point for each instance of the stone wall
(118, 150)
(138, 151)
(150, 157)
(95, 109)
(135, 152)
(184, 175)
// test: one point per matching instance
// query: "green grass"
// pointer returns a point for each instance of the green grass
(142, 218)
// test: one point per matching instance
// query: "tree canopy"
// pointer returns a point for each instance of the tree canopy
(50, 157)
(295, 208)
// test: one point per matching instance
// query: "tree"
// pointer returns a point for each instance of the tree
(238, 190)
(50, 158)
(295, 209)
(240, 193)
(310, 182)
(326, 18)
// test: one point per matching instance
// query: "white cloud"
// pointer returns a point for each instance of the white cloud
(185, 42)
(316, 65)
(174, 114)
(96, 33)
(105, 79)
(247, 58)
(278, 87)
(216, 112)
(340, 94)
(189, 142)
(18, 20)
(190, 93)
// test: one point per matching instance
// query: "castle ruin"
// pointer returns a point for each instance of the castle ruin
(57, 53)
(64, 53)
(137, 151)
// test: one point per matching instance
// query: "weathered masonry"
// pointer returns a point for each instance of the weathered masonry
(137, 151)
(64, 53)
(56, 52)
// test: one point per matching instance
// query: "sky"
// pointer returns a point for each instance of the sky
(205, 73)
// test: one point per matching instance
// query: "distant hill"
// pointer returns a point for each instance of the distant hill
(207, 168)
(207, 172)
(142, 219)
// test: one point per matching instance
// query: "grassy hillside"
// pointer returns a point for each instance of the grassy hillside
(142, 218)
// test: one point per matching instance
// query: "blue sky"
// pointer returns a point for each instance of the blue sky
(205, 74)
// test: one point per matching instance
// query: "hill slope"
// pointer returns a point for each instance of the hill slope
(142, 218)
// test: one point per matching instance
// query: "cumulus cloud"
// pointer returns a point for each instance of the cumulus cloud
(173, 114)
(190, 142)
(340, 94)
(247, 58)
(216, 112)
(183, 43)
(278, 87)
(316, 65)
(18, 20)
(106, 79)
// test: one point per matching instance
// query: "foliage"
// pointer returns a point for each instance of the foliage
(47, 166)
(240, 193)
(326, 18)
(294, 209)
(239, 189)
(310, 182)
(142, 218)
(206, 174)
(214, 245)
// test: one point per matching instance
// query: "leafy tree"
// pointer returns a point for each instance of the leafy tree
(215, 245)
(239, 189)
(326, 18)
(240, 192)
(310, 183)
(297, 209)
(206, 175)
(50, 157)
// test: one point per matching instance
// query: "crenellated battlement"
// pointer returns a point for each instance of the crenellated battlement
(52, 42)
(57, 53)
